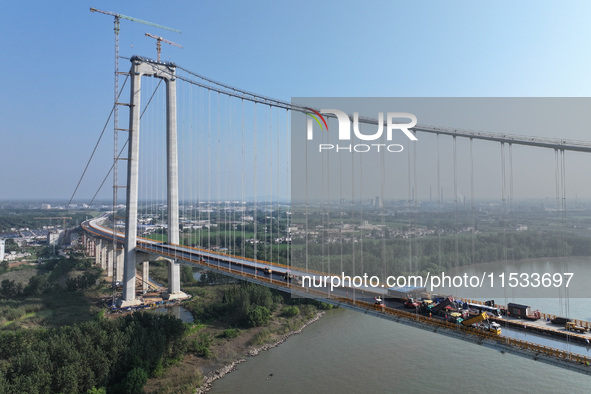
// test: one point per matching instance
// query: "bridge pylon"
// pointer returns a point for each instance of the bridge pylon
(164, 70)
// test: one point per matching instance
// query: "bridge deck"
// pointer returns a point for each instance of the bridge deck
(249, 270)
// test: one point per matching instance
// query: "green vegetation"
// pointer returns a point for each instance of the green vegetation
(201, 344)
(230, 333)
(435, 254)
(246, 305)
(159, 272)
(50, 295)
(117, 354)
(290, 311)
(49, 278)
(261, 337)
(25, 218)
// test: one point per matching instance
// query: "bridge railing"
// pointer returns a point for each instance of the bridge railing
(544, 316)
(484, 335)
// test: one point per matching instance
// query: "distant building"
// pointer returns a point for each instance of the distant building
(45, 206)
(2, 241)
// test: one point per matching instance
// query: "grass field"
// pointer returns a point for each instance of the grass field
(21, 274)
(53, 310)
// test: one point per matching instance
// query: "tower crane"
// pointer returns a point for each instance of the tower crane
(117, 18)
(159, 40)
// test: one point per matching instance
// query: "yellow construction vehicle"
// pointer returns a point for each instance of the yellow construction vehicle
(571, 326)
(476, 319)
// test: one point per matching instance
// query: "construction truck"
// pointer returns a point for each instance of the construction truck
(442, 305)
(491, 326)
(481, 321)
(426, 307)
(522, 312)
(455, 317)
(571, 326)
(475, 320)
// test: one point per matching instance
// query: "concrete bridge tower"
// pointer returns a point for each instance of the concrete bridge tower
(146, 67)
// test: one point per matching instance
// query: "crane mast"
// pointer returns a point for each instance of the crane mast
(159, 40)
(117, 19)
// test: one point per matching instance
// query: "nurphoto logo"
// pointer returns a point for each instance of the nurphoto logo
(344, 133)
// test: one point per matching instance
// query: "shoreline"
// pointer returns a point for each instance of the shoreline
(219, 373)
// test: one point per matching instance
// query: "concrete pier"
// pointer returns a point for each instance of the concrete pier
(174, 281)
(103, 249)
(110, 259)
(119, 265)
(97, 251)
(146, 276)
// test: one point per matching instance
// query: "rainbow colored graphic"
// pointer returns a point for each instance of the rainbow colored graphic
(316, 118)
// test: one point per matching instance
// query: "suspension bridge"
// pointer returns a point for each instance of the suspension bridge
(223, 200)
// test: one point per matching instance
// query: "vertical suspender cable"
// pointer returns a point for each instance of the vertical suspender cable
(341, 207)
(307, 232)
(353, 218)
(232, 237)
(326, 213)
(409, 213)
(255, 187)
(201, 166)
(511, 239)
(218, 181)
(322, 208)
(243, 203)
(415, 204)
(267, 171)
(439, 198)
(472, 202)
(504, 214)
(457, 230)
(563, 209)
(209, 171)
(557, 173)
(381, 205)
(277, 184)
(287, 193)
(361, 213)
(510, 178)
(193, 131)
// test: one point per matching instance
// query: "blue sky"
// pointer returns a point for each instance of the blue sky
(57, 63)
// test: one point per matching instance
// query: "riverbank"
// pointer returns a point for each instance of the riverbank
(221, 372)
(196, 373)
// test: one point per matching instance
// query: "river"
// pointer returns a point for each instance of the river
(349, 352)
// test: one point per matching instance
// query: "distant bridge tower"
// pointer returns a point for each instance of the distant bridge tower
(2, 249)
(139, 67)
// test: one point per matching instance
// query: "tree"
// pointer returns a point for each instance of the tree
(135, 381)
(259, 316)
(187, 274)
(10, 288)
(37, 285)
(94, 390)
